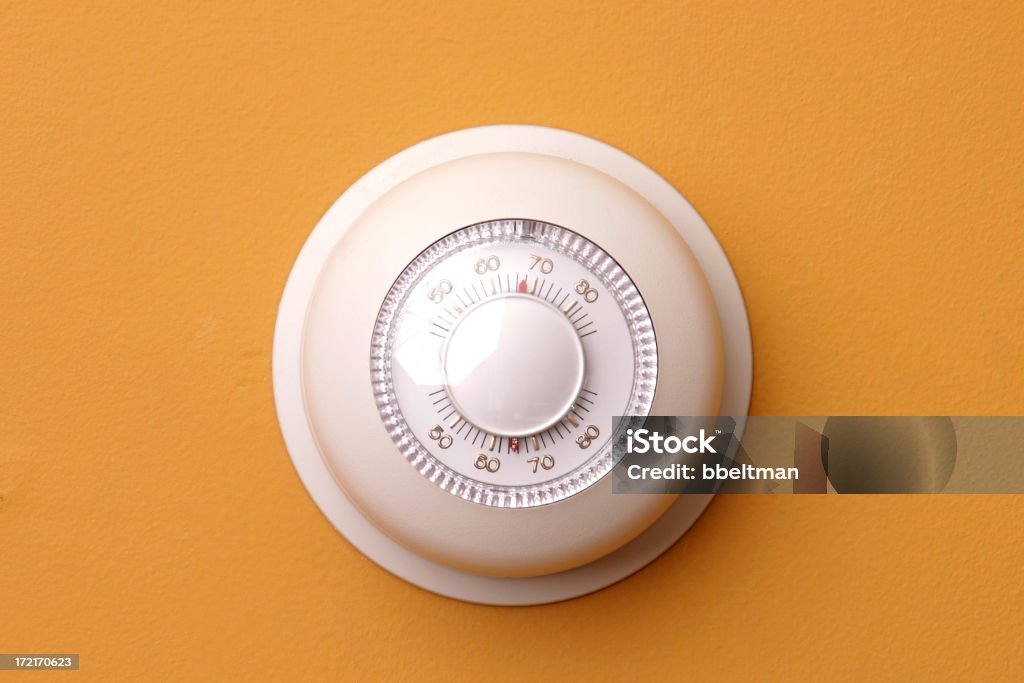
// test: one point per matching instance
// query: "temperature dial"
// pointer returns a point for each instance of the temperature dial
(500, 355)
(456, 337)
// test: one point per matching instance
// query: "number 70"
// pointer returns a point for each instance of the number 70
(547, 462)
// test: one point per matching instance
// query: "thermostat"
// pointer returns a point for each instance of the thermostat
(456, 336)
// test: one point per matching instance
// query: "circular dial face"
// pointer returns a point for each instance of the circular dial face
(501, 354)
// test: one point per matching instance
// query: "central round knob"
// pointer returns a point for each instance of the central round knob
(513, 365)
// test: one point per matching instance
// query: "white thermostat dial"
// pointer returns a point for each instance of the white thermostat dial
(499, 355)
(456, 337)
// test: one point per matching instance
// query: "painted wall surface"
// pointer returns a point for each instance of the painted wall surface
(861, 162)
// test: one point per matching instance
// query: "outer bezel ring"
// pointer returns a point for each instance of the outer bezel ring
(566, 242)
(288, 340)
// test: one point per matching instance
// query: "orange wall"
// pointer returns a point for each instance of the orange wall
(860, 161)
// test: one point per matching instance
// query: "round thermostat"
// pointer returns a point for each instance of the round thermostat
(456, 337)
